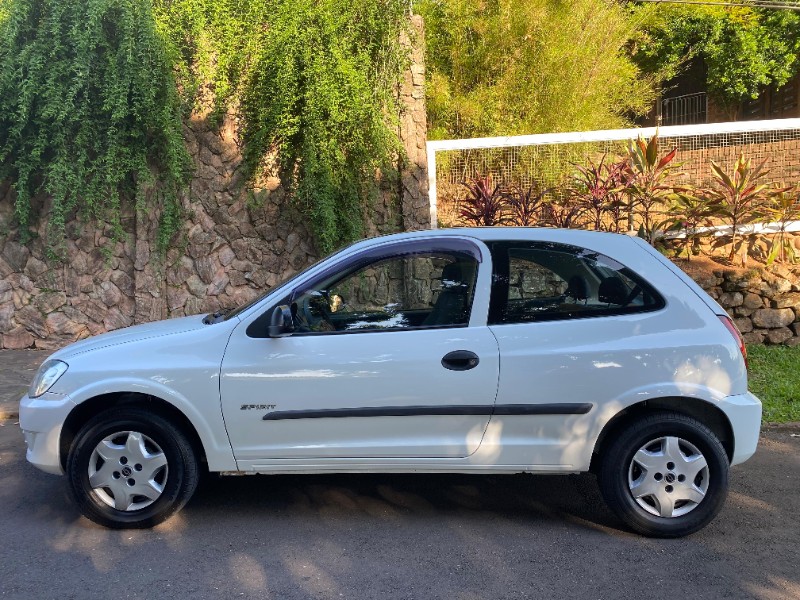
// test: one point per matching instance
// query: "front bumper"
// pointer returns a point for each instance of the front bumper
(744, 413)
(41, 420)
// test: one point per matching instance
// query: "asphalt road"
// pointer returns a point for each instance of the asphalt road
(410, 536)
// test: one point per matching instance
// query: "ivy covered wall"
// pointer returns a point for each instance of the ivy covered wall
(239, 228)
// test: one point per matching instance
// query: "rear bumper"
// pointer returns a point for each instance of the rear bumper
(41, 420)
(744, 413)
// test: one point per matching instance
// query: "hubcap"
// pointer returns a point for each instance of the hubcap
(128, 470)
(668, 477)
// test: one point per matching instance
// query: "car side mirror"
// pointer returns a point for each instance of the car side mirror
(281, 324)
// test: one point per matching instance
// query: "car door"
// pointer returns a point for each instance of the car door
(390, 357)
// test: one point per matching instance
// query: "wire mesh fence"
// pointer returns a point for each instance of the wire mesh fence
(549, 160)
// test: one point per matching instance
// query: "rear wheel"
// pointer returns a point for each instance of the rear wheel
(666, 475)
(130, 468)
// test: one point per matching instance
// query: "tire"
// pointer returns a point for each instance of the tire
(665, 475)
(130, 468)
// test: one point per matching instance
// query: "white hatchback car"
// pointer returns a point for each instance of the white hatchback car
(499, 350)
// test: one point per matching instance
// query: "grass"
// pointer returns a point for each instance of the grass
(775, 379)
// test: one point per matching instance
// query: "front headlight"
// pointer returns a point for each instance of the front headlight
(46, 376)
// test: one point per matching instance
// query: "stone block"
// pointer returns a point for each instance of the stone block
(780, 335)
(752, 300)
(745, 325)
(753, 337)
(17, 338)
(32, 320)
(731, 299)
(789, 300)
(16, 255)
(773, 318)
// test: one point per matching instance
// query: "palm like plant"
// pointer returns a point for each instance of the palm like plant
(738, 194)
(689, 212)
(784, 207)
(485, 205)
(597, 191)
(526, 205)
(649, 188)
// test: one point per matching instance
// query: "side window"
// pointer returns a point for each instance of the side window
(543, 281)
(428, 289)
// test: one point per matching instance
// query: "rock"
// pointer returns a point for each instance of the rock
(123, 281)
(142, 255)
(50, 301)
(753, 337)
(219, 283)
(789, 300)
(780, 335)
(196, 286)
(195, 306)
(205, 269)
(17, 338)
(731, 299)
(745, 325)
(35, 267)
(792, 342)
(176, 297)
(180, 272)
(16, 255)
(116, 320)
(109, 294)
(32, 320)
(94, 309)
(226, 255)
(752, 300)
(6, 316)
(773, 318)
(60, 324)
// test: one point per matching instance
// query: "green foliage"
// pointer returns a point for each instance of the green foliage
(783, 207)
(773, 378)
(316, 84)
(650, 186)
(740, 194)
(504, 67)
(89, 112)
(743, 49)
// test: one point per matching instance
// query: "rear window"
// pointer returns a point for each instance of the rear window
(545, 281)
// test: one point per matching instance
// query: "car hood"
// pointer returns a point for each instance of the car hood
(132, 334)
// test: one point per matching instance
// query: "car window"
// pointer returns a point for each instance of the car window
(541, 281)
(400, 292)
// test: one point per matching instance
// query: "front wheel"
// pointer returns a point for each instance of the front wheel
(666, 475)
(129, 468)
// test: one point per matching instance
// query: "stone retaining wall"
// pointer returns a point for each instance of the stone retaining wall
(764, 304)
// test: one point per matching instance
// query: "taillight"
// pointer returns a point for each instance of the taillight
(731, 326)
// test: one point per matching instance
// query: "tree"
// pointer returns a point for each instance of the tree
(501, 67)
(743, 49)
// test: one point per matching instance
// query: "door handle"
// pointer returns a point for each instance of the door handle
(460, 360)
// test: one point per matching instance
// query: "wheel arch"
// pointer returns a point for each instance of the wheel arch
(705, 412)
(87, 409)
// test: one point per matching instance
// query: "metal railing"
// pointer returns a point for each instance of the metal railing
(690, 109)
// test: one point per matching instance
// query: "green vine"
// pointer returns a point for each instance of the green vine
(89, 111)
(316, 82)
(92, 93)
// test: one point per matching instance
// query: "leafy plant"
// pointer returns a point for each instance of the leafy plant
(742, 50)
(485, 204)
(89, 112)
(525, 205)
(739, 194)
(782, 208)
(561, 212)
(688, 213)
(649, 189)
(319, 92)
(598, 191)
